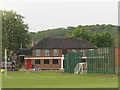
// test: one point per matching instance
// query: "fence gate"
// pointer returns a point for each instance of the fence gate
(101, 60)
(71, 60)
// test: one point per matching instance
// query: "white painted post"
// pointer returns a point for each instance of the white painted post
(5, 62)
(62, 61)
(21, 45)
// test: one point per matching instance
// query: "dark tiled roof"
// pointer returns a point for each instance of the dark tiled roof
(25, 52)
(63, 43)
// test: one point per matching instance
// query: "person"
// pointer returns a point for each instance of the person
(11, 67)
(32, 66)
(39, 68)
(2, 70)
(20, 66)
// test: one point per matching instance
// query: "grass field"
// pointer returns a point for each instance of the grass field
(58, 80)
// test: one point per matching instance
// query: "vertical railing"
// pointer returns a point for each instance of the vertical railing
(71, 60)
(101, 60)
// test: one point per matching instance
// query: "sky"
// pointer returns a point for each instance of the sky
(48, 14)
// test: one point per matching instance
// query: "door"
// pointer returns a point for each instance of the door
(22, 59)
(28, 64)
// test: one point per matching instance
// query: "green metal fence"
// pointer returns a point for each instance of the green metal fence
(101, 60)
(71, 60)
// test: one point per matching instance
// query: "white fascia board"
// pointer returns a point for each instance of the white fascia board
(21, 55)
(84, 57)
(42, 57)
(48, 58)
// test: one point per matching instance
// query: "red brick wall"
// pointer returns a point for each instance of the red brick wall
(50, 65)
(116, 58)
(78, 50)
(119, 58)
(50, 52)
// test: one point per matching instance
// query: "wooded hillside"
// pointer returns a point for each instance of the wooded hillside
(66, 32)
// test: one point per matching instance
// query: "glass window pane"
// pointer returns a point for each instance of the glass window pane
(37, 61)
(37, 52)
(55, 61)
(82, 51)
(55, 52)
(46, 61)
(46, 52)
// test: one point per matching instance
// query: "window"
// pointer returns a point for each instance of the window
(82, 51)
(73, 50)
(46, 61)
(92, 51)
(55, 61)
(37, 52)
(37, 61)
(55, 52)
(46, 52)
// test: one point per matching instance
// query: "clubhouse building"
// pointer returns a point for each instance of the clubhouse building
(49, 52)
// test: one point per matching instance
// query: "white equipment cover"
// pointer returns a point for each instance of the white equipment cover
(78, 68)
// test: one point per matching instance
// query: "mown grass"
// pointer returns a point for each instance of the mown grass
(57, 80)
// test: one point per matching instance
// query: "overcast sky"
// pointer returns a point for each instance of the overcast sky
(48, 14)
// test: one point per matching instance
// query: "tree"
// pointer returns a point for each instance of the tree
(80, 32)
(14, 31)
(102, 40)
(5, 42)
(95, 39)
(106, 39)
(70, 27)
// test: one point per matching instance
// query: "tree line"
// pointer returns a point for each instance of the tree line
(93, 30)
